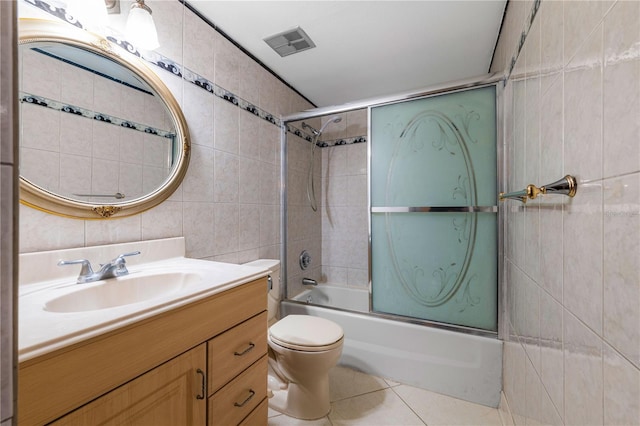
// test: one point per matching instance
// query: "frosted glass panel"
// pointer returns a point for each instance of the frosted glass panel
(428, 266)
(435, 152)
(438, 151)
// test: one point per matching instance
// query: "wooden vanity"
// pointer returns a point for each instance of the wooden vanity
(204, 363)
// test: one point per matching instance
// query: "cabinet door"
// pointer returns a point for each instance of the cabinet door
(166, 395)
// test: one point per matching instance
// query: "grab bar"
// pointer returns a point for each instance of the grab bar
(565, 186)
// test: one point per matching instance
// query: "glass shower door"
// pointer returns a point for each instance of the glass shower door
(433, 208)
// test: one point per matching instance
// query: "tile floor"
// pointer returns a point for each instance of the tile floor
(361, 399)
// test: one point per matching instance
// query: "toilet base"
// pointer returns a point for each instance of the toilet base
(298, 379)
(301, 402)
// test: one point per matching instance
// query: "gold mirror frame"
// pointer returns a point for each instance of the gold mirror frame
(36, 30)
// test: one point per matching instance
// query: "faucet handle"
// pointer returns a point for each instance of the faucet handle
(121, 257)
(117, 265)
(86, 265)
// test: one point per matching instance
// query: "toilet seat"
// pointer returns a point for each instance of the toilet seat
(306, 333)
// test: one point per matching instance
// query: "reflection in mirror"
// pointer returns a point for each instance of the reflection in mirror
(91, 129)
(95, 129)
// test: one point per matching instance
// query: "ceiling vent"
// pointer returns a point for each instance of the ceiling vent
(290, 42)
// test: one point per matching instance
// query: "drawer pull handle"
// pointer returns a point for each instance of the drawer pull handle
(201, 373)
(242, 404)
(251, 346)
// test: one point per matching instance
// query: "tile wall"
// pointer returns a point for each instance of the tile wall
(304, 226)
(227, 207)
(572, 353)
(345, 216)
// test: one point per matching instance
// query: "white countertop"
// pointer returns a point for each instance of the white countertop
(42, 331)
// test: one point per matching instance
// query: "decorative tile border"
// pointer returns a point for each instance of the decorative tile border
(179, 70)
(58, 12)
(221, 93)
(98, 116)
(299, 133)
(324, 144)
(340, 142)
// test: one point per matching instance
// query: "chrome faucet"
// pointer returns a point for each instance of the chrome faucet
(309, 281)
(115, 268)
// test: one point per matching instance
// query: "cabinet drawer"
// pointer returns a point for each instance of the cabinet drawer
(237, 399)
(259, 416)
(235, 350)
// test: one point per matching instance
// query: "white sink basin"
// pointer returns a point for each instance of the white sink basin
(55, 312)
(121, 291)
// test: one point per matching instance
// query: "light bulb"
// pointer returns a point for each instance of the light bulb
(141, 30)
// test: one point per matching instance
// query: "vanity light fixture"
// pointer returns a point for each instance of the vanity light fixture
(141, 30)
(113, 6)
(92, 14)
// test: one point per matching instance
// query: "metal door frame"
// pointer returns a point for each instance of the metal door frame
(496, 80)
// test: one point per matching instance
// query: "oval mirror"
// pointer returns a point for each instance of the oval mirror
(101, 136)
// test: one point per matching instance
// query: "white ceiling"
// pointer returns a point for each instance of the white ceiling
(365, 49)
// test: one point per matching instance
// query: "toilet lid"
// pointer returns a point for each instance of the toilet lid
(306, 332)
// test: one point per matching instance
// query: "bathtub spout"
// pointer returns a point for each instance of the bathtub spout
(309, 281)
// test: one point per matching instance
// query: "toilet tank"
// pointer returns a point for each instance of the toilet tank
(273, 298)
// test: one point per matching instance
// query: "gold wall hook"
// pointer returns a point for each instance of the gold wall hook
(565, 186)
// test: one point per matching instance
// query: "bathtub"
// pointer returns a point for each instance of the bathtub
(461, 365)
(337, 297)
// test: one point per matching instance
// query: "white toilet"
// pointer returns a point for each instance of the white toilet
(302, 349)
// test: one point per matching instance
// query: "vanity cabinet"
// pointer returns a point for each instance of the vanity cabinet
(201, 363)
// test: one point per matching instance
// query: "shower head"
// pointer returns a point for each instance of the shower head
(334, 119)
